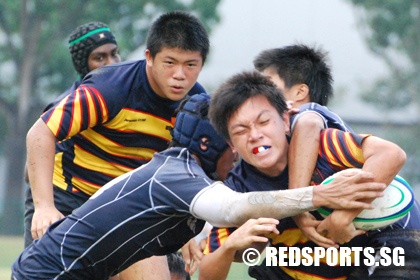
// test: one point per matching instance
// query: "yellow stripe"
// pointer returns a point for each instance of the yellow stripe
(326, 149)
(129, 120)
(112, 148)
(54, 126)
(58, 178)
(356, 150)
(222, 234)
(93, 163)
(89, 162)
(91, 105)
(338, 149)
(289, 237)
(77, 115)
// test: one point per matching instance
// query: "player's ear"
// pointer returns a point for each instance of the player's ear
(231, 145)
(302, 93)
(286, 122)
(149, 57)
(204, 142)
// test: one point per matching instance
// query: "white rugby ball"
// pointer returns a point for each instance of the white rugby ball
(394, 205)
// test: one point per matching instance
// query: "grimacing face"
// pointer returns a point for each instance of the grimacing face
(173, 72)
(258, 133)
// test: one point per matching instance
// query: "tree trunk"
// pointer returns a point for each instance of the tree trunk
(16, 142)
(12, 221)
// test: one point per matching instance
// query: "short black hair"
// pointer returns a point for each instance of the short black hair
(300, 64)
(178, 29)
(177, 265)
(226, 100)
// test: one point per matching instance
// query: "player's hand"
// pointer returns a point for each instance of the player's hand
(338, 229)
(42, 219)
(250, 233)
(347, 189)
(308, 225)
(192, 254)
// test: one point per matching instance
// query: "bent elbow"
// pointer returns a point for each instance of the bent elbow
(401, 157)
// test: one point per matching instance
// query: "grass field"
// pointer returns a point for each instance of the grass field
(11, 246)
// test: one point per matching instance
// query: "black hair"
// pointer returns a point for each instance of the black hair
(177, 266)
(300, 64)
(226, 100)
(178, 29)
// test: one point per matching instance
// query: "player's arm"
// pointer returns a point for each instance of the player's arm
(303, 149)
(382, 158)
(216, 265)
(302, 157)
(40, 144)
(221, 206)
(192, 251)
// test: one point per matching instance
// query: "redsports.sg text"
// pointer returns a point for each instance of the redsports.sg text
(293, 256)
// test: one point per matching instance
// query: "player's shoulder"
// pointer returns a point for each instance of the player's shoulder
(196, 89)
(117, 73)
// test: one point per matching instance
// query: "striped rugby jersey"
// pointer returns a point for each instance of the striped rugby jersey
(348, 145)
(108, 128)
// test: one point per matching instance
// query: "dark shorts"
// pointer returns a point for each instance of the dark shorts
(409, 240)
(64, 201)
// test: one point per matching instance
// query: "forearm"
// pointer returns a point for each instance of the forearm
(383, 159)
(40, 163)
(216, 265)
(223, 207)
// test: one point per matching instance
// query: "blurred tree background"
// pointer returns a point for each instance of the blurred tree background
(35, 66)
(391, 31)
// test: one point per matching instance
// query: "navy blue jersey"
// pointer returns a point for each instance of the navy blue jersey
(331, 120)
(111, 124)
(142, 213)
(338, 150)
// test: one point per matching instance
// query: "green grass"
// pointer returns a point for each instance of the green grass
(238, 271)
(12, 246)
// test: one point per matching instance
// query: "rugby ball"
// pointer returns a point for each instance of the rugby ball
(394, 205)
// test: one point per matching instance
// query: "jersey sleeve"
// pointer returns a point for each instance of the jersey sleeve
(331, 120)
(95, 101)
(339, 150)
(216, 238)
(83, 108)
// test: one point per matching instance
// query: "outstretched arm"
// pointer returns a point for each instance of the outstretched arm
(223, 207)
